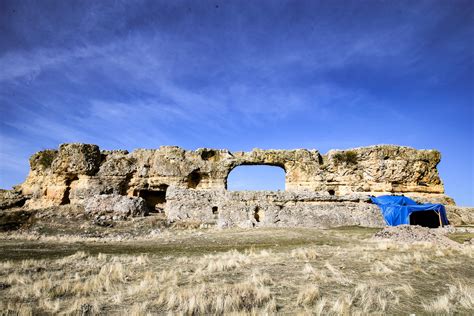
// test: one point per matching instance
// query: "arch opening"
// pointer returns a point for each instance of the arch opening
(256, 178)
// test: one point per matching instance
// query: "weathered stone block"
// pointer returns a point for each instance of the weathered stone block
(268, 208)
(77, 159)
(115, 206)
(11, 198)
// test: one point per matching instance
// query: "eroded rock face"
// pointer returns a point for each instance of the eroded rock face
(76, 172)
(11, 198)
(77, 159)
(459, 215)
(271, 209)
(115, 207)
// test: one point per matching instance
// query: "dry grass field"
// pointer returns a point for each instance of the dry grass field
(235, 271)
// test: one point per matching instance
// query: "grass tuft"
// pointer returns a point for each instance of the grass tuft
(348, 157)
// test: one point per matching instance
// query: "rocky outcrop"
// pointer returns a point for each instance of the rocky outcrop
(11, 198)
(115, 207)
(317, 185)
(459, 215)
(76, 171)
(271, 209)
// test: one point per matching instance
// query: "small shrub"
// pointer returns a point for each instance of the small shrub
(348, 157)
(46, 158)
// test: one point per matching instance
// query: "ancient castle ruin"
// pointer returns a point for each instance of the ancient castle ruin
(322, 190)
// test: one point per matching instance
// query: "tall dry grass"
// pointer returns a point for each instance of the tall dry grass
(365, 278)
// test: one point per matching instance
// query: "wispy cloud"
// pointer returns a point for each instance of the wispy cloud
(280, 74)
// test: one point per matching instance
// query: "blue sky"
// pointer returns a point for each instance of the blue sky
(256, 178)
(238, 75)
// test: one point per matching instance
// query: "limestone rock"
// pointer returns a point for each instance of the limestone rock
(42, 161)
(115, 207)
(117, 163)
(321, 190)
(81, 170)
(459, 215)
(77, 159)
(267, 208)
(11, 198)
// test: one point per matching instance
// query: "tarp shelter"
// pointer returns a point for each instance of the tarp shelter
(399, 210)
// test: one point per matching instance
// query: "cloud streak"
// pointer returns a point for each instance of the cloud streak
(276, 74)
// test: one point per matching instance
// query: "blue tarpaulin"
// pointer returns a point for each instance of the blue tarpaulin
(396, 210)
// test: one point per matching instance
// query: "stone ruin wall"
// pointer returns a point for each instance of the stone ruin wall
(322, 190)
